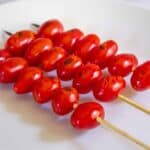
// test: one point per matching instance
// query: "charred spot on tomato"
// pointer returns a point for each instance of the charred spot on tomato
(20, 34)
(68, 61)
(101, 47)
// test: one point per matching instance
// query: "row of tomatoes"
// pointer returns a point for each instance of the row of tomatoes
(56, 43)
(76, 57)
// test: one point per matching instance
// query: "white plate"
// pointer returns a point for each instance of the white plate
(25, 125)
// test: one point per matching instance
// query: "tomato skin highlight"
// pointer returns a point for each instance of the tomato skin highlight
(69, 67)
(50, 59)
(44, 89)
(36, 48)
(11, 68)
(85, 79)
(27, 80)
(122, 64)
(4, 54)
(108, 88)
(50, 28)
(63, 102)
(140, 77)
(18, 42)
(83, 47)
(101, 55)
(84, 116)
(68, 39)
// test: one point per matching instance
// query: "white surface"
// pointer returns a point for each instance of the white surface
(138, 3)
(27, 126)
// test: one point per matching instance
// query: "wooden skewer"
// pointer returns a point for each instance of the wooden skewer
(123, 133)
(35, 25)
(134, 104)
(7, 32)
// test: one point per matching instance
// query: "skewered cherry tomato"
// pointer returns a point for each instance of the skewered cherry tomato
(67, 68)
(85, 45)
(27, 79)
(64, 101)
(140, 79)
(85, 115)
(44, 89)
(4, 54)
(50, 28)
(11, 68)
(102, 54)
(36, 48)
(68, 39)
(108, 88)
(18, 42)
(87, 77)
(122, 64)
(50, 59)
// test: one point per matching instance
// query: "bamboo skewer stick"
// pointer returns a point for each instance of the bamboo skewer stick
(123, 133)
(7, 32)
(134, 104)
(35, 25)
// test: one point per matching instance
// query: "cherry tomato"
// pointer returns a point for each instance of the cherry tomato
(63, 102)
(140, 79)
(50, 59)
(102, 54)
(50, 28)
(108, 88)
(56, 85)
(45, 88)
(27, 80)
(18, 42)
(4, 54)
(122, 64)
(85, 115)
(36, 48)
(68, 39)
(67, 68)
(11, 68)
(87, 77)
(83, 47)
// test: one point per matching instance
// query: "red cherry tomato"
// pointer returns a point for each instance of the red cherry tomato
(122, 64)
(64, 101)
(18, 42)
(27, 79)
(67, 68)
(36, 48)
(83, 47)
(11, 68)
(108, 88)
(4, 54)
(44, 89)
(102, 54)
(56, 85)
(87, 77)
(50, 28)
(140, 79)
(50, 59)
(68, 39)
(85, 115)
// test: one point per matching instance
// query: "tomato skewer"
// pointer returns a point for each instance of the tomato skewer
(109, 87)
(90, 114)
